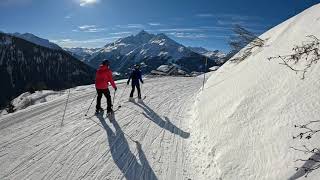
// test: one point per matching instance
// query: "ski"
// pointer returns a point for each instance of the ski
(102, 111)
(118, 108)
(133, 99)
(142, 98)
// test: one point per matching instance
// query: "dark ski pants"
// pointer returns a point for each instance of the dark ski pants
(138, 88)
(106, 93)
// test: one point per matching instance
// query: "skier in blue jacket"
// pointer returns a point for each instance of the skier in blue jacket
(136, 77)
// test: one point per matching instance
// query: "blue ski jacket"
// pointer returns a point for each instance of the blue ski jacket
(136, 76)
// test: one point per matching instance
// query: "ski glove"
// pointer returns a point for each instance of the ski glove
(128, 83)
(115, 89)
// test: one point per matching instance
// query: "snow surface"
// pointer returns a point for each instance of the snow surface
(244, 118)
(27, 99)
(164, 68)
(214, 68)
(146, 141)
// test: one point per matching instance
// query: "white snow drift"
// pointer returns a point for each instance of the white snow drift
(244, 119)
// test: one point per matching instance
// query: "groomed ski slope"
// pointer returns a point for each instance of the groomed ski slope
(244, 119)
(146, 141)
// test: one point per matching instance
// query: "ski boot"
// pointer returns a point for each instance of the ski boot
(140, 100)
(99, 110)
(131, 99)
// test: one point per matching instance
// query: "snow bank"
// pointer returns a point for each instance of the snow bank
(27, 99)
(244, 118)
(214, 68)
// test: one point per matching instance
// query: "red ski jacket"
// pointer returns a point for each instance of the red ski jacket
(104, 77)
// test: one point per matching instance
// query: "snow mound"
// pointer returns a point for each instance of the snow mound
(164, 68)
(27, 99)
(245, 116)
(214, 68)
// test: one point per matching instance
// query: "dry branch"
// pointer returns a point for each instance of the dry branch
(243, 43)
(312, 163)
(308, 53)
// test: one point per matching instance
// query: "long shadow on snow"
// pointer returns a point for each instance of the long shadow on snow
(313, 162)
(165, 124)
(123, 157)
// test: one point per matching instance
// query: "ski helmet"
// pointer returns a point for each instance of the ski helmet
(137, 66)
(106, 62)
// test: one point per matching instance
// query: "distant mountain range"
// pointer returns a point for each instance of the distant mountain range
(25, 65)
(210, 54)
(83, 54)
(138, 48)
(152, 51)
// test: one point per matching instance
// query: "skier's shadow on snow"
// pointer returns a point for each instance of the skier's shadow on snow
(313, 162)
(163, 123)
(122, 155)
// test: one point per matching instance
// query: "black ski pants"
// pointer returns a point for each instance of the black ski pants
(106, 93)
(137, 85)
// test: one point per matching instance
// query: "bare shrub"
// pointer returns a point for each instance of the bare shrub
(243, 42)
(307, 53)
(313, 162)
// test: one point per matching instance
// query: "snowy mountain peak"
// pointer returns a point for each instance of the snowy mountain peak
(142, 33)
(83, 54)
(37, 40)
(143, 36)
(143, 47)
(162, 35)
(138, 39)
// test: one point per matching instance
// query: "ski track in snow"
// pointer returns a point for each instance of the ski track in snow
(146, 140)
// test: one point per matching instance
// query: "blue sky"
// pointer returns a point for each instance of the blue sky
(94, 23)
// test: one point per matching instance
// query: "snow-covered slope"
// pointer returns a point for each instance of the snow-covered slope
(37, 40)
(244, 119)
(147, 141)
(29, 99)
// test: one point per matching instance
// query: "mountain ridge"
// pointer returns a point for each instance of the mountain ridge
(37, 40)
(25, 66)
(150, 49)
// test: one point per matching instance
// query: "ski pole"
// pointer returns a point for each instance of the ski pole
(122, 95)
(141, 88)
(204, 74)
(114, 95)
(91, 104)
(65, 108)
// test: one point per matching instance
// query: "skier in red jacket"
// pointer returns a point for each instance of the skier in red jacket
(103, 78)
